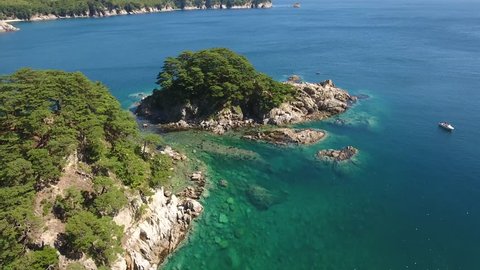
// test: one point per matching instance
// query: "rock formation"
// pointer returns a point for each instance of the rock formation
(286, 136)
(312, 101)
(156, 225)
(343, 154)
(162, 227)
(5, 27)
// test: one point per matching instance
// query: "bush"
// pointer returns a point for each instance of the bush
(161, 173)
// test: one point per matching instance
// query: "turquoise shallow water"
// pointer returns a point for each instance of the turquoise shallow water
(411, 198)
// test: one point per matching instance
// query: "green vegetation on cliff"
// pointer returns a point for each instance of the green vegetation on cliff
(25, 9)
(214, 79)
(49, 119)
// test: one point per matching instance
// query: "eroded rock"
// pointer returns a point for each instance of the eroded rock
(343, 154)
(285, 136)
(163, 226)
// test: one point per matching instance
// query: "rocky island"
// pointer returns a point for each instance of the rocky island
(218, 90)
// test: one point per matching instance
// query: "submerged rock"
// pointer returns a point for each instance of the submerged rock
(223, 218)
(285, 136)
(263, 198)
(223, 183)
(343, 154)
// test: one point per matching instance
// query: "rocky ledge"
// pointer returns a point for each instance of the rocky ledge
(286, 136)
(343, 154)
(5, 27)
(312, 101)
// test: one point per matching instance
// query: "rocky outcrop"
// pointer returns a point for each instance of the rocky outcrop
(164, 222)
(312, 101)
(5, 27)
(156, 225)
(286, 136)
(163, 227)
(333, 155)
(226, 119)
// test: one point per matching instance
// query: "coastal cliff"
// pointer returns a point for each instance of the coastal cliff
(163, 225)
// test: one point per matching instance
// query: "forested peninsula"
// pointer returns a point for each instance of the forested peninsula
(79, 181)
(45, 9)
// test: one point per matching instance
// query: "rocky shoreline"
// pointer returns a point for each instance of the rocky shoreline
(164, 223)
(312, 101)
(6, 26)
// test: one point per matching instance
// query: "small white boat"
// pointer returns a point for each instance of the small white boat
(446, 126)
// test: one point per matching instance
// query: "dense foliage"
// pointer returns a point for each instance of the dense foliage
(98, 237)
(217, 78)
(45, 117)
(25, 9)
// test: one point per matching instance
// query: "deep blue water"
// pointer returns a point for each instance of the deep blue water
(413, 200)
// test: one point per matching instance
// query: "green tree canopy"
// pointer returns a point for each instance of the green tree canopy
(100, 238)
(214, 79)
(45, 117)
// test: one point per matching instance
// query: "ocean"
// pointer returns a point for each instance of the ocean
(411, 199)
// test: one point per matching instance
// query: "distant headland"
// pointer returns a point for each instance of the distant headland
(13, 11)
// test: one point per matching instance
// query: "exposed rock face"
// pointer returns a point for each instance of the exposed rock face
(5, 27)
(162, 227)
(312, 101)
(344, 154)
(285, 136)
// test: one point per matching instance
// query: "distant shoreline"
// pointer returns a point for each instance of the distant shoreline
(6, 26)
